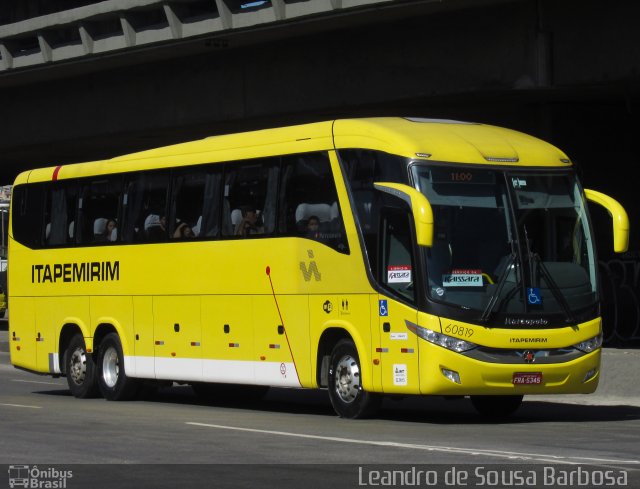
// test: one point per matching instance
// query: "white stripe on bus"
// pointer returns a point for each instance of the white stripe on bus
(277, 374)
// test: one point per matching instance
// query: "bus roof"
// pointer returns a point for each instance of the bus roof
(423, 139)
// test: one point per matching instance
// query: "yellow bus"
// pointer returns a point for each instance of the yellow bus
(368, 257)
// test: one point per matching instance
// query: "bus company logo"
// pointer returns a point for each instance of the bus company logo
(95, 271)
(529, 356)
(538, 339)
(33, 477)
(312, 269)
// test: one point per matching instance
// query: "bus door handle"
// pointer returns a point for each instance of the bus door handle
(386, 327)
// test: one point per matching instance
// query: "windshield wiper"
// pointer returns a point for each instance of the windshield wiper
(555, 290)
(499, 286)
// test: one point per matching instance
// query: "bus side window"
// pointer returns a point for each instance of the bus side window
(307, 190)
(195, 201)
(97, 205)
(398, 264)
(60, 212)
(251, 184)
(145, 207)
(26, 214)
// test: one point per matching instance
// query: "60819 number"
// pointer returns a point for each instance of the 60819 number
(456, 329)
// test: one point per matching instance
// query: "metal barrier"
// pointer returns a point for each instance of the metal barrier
(620, 280)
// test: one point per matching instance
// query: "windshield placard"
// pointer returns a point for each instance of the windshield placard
(463, 278)
(399, 274)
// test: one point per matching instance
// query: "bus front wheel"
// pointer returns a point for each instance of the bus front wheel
(80, 369)
(347, 396)
(496, 406)
(112, 379)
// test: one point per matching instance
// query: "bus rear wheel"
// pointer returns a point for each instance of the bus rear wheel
(496, 407)
(347, 396)
(112, 378)
(80, 369)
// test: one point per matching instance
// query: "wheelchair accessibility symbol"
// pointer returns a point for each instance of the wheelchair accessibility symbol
(384, 311)
(533, 295)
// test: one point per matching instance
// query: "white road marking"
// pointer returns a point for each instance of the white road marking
(469, 451)
(20, 406)
(35, 382)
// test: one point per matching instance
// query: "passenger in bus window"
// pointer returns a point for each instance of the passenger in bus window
(111, 231)
(313, 227)
(155, 226)
(100, 233)
(248, 225)
(183, 231)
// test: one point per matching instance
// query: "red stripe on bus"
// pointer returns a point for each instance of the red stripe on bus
(55, 173)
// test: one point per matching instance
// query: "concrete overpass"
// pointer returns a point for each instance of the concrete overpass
(117, 75)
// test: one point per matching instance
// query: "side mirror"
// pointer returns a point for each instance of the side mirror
(619, 216)
(420, 207)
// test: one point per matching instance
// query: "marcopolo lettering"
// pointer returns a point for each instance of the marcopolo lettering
(91, 271)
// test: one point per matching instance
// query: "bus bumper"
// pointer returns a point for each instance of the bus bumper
(438, 366)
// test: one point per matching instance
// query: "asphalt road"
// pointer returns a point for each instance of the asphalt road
(41, 423)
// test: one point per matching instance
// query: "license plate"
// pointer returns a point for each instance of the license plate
(528, 378)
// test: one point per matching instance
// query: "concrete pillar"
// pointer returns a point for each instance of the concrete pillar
(7, 58)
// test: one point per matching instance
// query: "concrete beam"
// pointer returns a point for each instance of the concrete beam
(174, 22)
(128, 31)
(225, 14)
(45, 48)
(87, 40)
(77, 19)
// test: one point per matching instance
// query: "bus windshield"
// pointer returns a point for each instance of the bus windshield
(508, 242)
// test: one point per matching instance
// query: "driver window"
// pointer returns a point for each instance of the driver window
(398, 270)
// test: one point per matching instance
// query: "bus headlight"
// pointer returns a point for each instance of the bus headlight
(590, 345)
(448, 342)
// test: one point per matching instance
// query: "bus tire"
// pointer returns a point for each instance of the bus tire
(112, 378)
(348, 398)
(80, 369)
(496, 406)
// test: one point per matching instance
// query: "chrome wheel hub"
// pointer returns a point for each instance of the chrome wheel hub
(78, 366)
(347, 379)
(110, 367)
